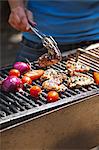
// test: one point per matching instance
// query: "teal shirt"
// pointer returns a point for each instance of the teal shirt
(68, 21)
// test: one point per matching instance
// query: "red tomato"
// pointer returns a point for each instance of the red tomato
(14, 72)
(26, 79)
(96, 77)
(52, 96)
(35, 91)
(35, 74)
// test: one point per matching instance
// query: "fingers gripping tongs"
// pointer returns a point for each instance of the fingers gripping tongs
(49, 43)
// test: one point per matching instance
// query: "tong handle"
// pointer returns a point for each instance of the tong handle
(47, 41)
(36, 31)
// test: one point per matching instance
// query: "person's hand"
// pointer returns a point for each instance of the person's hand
(19, 17)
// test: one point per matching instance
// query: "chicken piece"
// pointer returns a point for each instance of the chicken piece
(53, 56)
(45, 60)
(54, 85)
(73, 67)
(79, 80)
(51, 73)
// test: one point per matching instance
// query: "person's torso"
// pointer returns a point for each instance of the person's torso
(69, 21)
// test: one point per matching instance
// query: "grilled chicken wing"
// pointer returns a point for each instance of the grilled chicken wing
(51, 73)
(53, 84)
(79, 80)
(73, 67)
(48, 74)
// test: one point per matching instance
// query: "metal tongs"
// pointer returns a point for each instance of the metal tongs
(48, 42)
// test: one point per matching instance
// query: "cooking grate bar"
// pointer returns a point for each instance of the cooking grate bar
(34, 66)
(41, 102)
(89, 74)
(20, 103)
(94, 68)
(55, 67)
(11, 102)
(60, 66)
(89, 58)
(33, 99)
(25, 99)
(91, 54)
(4, 102)
(94, 86)
(72, 92)
(90, 62)
(93, 59)
(78, 91)
(2, 76)
(66, 93)
(2, 114)
(95, 51)
(4, 96)
(63, 65)
(5, 109)
(43, 97)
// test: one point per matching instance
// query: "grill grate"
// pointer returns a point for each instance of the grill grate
(91, 60)
(15, 107)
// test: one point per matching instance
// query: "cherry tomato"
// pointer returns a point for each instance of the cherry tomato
(96, 77)
(52, 96)
(35, 91)
(14, 72)
(35, 74)
(26, 79)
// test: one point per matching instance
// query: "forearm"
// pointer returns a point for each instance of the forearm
(20, 16)
(16, 3)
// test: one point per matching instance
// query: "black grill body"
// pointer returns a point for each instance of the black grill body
(17, 107)
(70, 123)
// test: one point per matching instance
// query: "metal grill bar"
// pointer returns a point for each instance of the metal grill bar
(90, 60)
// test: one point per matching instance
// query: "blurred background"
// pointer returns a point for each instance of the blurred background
(9, 38)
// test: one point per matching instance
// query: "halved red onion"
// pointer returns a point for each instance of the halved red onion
(22, 67)
(11, 84)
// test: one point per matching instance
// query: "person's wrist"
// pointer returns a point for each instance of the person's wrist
(17, 7)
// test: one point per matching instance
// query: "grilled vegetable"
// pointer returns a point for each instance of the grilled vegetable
(35, 91)
(34, 74)
(27, 80)
(22, 67)
(52, 96)
(14, 72)
(12, 84)
(96, 77)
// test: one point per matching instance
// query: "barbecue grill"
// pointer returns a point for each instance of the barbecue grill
(18, 108)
